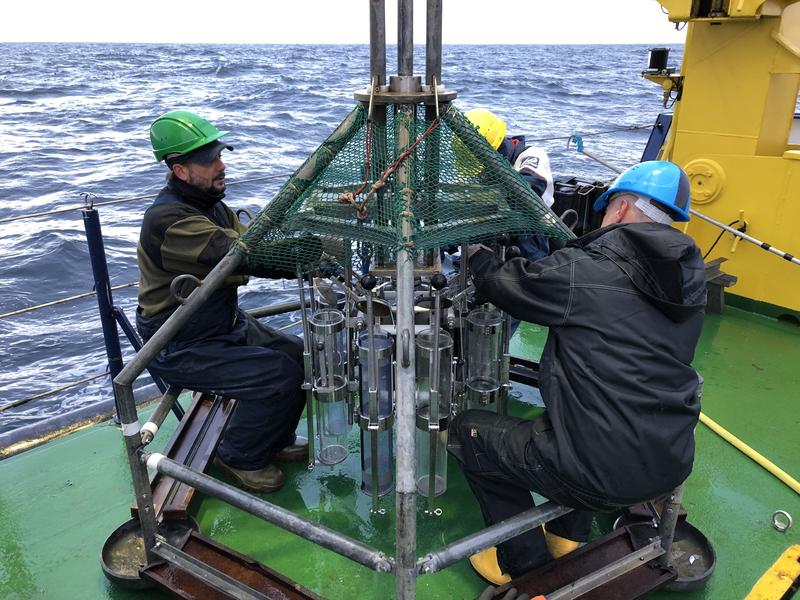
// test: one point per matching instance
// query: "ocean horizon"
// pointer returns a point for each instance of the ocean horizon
(74, 120)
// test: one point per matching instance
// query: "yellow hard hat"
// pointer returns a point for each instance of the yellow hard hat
(488, 124)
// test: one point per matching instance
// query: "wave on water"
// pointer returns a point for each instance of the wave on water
(76, 118)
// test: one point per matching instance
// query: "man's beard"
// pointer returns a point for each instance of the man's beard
(209, 189)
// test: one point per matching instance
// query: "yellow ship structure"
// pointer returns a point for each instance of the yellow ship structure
(736, 133)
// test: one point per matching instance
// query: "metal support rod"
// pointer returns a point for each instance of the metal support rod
(463, 275)
(275, 309)
(136, 342)
(669, 518)
(277, 209)
(313, 532)
(405, 37)
(491, 536)
(617, 568)
(150, 428)
(433, 402)
(377, 41)
(372, 392)
(220, 581)
(129, 420)
(352, 384)
(102, 286)
(406, 502)
(433, 43)
(505, 366)
(308, 371)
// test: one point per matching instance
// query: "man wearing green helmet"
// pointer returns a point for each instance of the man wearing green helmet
(624, 306)
(222, 350)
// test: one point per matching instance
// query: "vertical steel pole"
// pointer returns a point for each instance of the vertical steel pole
(102, 287)
(406, 496)
(406, 413)
(308, 384)
(433, 77)
(433, 42)
(129, 420)
(406, 488)
(669, 519)
(377, 41)
(405, 37)
(377, 46)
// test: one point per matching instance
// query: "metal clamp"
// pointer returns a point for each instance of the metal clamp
(383, 424)
(781, 520)
(405, 339)
(424, 423)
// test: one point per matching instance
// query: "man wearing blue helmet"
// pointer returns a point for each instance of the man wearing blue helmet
(624, 305)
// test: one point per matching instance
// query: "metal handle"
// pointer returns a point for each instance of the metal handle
(405, 339)
(244, 211)
(570, 213)
(181, 281)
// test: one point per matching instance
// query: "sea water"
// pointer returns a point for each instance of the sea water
(74, 119)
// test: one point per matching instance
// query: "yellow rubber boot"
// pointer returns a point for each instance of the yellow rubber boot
(485, 563)
(559, 546)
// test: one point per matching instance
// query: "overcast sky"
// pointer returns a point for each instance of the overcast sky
(334, 21)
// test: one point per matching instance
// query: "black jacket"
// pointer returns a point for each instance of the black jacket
(185, 234)
(624, 306)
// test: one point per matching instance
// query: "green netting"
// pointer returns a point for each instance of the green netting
(357, 190)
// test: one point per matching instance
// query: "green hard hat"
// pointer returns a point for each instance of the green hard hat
(179, 132)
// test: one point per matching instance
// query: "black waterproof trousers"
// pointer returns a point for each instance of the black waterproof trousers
(497, 458)
(258, 366)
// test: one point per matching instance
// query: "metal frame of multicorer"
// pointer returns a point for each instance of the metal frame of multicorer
(405, 92)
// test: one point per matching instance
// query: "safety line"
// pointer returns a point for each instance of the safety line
(5, 407)
(590, 134)
(62, 300)
(121, 200)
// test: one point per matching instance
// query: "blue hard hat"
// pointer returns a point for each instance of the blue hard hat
(660, 180)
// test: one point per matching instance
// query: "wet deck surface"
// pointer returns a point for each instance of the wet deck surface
(59, 502)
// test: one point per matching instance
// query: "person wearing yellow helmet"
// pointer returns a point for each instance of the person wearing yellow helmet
(531, 162)
(222, 350)
(624, 307)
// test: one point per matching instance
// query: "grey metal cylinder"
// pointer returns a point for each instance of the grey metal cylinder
(377, 41)
(405, 37)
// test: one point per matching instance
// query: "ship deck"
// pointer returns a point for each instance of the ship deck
(60, 501)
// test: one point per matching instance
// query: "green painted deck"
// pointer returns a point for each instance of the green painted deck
(59, 502)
